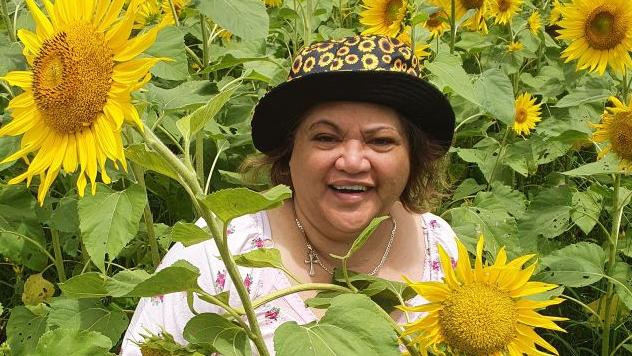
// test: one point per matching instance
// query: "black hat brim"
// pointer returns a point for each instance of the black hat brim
(414, 98)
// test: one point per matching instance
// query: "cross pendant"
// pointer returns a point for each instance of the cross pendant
(312, 258)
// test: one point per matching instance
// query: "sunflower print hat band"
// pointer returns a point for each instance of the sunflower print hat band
(375, 69)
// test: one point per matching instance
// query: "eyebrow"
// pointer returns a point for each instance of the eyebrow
(369, 131)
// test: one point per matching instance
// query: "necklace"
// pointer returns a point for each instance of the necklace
(312, 255)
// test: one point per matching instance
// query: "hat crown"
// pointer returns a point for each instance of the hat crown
(355, 53)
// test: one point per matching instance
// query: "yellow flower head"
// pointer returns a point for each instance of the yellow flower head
(420, 48)
(514, 46)
(527, 114)
(504, 10)
(437, 22)
(600, 34)
(477, 21)
(383, 17)
(482, 310)
(273, 3)
(83, 68)
(535, 22)
(150, 12)
(555, 16)
(616, 129)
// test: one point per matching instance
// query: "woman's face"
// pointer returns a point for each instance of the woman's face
(349, 164)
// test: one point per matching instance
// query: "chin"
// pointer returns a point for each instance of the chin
(351, 221)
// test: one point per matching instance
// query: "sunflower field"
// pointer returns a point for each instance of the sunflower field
(123, 122)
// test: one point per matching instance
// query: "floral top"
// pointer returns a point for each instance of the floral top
(171, 312)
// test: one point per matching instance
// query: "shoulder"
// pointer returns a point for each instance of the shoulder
(440, 233)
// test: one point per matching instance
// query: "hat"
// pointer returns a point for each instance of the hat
(375, 69)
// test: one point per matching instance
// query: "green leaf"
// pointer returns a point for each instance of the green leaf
(228, 204)
(586, 209)
(150, 160)
(170, 44)
(8, 145)
(247, 19)
(547, 215)
(260, 258)
(581, 95)
(364, 235)
(125, 281)
(495, 95)
(187, 95)
(65, 217)
(88, 315)
(180, 276)
(623, 273)
(226, 337)
(468, 187)
(449, 72)
(576, 265)
(189, 234)
(504, 198)
(78, 343)
(24, 330)
(607, 165)
(86, 285)
(191, 124)
(351, 326)
(109, 220)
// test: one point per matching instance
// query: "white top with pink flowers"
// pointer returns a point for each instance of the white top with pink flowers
(171, 312)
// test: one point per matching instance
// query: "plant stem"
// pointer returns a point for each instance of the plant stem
(500, 154)
(617, 210)
(7, 20)
(452, 26)
(295, 289)
(174, 13)
(59, 261)
(205, 54)
(139, 173)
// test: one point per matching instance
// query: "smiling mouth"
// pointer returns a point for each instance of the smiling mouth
(350, 188)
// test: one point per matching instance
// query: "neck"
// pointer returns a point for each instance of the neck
(328, 240)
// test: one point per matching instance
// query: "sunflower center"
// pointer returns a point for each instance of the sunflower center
(621, 135)
(478, 319)
(503, 5)
(392, 10)
(434, 20)
(521, 113)
(604, 30)
(72, 75)
(472, 4)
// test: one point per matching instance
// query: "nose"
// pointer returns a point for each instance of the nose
(352, 158)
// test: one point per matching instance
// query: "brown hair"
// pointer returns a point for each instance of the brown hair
(426, 177)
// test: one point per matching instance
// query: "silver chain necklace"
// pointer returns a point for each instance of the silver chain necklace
(312, 255)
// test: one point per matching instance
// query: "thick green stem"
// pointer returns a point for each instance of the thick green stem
(139, 173)
(452, 26)
(199, 155)
(174, 13)
(617, 210)
(7, 20)
(59, 261)
(205, 49)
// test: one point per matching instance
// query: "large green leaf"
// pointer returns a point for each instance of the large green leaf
(88, 315)
(24, 330)
(170, 44)
(576, 265)
(351, 326)
(73, 342)
(504, 198)
(548, 214)
(247, 19)
(608, 165)
(193, 123)
(260, 258)
(125, 281)
(583, 96)
(448, 72)
(586, 209)
(109, 220)
(228, 204)
(623, 273)
(150, 160)
(85, 285)
(187, 95)
(65, 217)
(189, 234)
(495, 95)
(180, 276)
(227, 338)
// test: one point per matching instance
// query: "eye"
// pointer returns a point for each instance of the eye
(381, 141)
(325, 138)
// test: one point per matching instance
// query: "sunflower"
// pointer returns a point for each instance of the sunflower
(383, 17)
(600, 32)
(483, 311)
(420, 48)
(535, 22)
(555, 16)
(273, 3)
(477, 21)
(77, 92)
(436, 22)
(616, 128)
(504, 10)
(178, 5)
(151, 12)
(527, 114)
(514, 46)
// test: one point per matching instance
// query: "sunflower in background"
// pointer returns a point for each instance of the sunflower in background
(273, 3)
(527, 114)
(616, 129)
(514, 46)
(504, 10)
(600, 34)
(383, 17)
(477, 21)
(437, 22)
(535, 22)
(77, 93)
(485, 310)
(555, 16)
(155, 11)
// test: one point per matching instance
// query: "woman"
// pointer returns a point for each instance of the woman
(357, 134)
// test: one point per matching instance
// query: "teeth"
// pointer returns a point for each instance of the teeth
(359, 188)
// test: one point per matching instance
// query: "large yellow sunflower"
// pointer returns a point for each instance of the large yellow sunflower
(616, 128)
(535, 22)
(527, 114)
(383, 17)
(483, 311)
(77, 92)
(437, 22)
(504, 10)
(600, 32)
